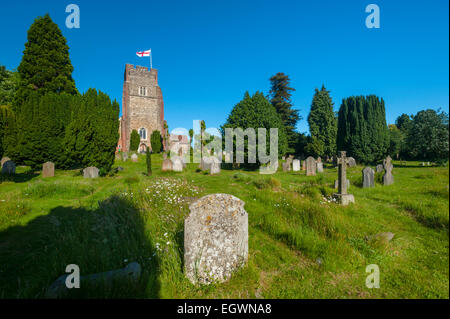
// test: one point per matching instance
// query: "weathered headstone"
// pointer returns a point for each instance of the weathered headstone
(342, 196)
(388, 178)
(351, 162)
(215, 238)
(124, 157)
(423, 163)
(368, 177)
(283, 158)
(177, 164)
(428, 163)
(4, 160)
(134, 158)
(319, 167)
(167, 165)
(319, 160)
(214, 168)
(105, 280)
(311, 166)
(48, 169)
(286, 166)
(379, 168)
(296, 165)
(9, 168)
(90, 172)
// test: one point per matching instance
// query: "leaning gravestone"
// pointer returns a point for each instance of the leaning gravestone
(296, 165)
(134, 158)
(215, 238)
(379, 168)
(4, 160)
(388, 178)
(351, 162)
(311, 166)
(48, 169)
(90, 172)
(368, 177)
(9, 168)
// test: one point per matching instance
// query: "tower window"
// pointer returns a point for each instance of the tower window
(142, 91)
(143, 133)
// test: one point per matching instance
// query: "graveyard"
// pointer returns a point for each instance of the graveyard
(302, 243)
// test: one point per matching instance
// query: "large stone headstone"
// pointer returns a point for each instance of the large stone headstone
(9, 168)
(388, 178)
(379, 168)
(215, 238)
(134, 158)
(90, 172)
(296, 165)
(319, 167)
(351, 162)
(48, 169)
(311, 166)
(4, 160)
(368, 177)
(177, 164)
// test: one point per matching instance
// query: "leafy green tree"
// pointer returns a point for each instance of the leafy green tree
(135, 139)
(8, 85)
(322, 124)
(257, 112)
(428, 137)
(156, 141)
(280, 97)
(92, 135)
(396, 141)
(403, 122)
(362, 129)
(45, 65)
(314, 147)
(148, 157)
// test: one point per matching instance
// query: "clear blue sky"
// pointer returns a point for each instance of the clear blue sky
(209, 53)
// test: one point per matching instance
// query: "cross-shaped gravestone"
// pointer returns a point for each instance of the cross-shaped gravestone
(342, 195)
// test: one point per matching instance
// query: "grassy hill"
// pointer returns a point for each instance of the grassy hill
(301, 244)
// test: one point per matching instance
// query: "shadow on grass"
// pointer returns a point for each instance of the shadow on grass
(110, 237)
(19, 177)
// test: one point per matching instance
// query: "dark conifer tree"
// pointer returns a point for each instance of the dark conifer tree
(280, 97)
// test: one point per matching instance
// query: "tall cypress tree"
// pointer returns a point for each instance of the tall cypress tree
(280, 97)
(45, 65)
(362, 128)
(323, 123)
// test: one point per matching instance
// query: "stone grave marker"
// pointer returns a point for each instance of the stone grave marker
(90, 172)
(134, 158)
(388, 178)
(311, 166)
(342, 196)
(9, 168)
(48, 169)
(368, 177)
(215, 238)
(296, 165)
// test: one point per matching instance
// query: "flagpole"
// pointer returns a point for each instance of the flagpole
(151, 67)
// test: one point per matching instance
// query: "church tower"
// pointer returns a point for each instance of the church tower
(142, 107)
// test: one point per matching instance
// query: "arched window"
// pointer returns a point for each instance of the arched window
(143, 133)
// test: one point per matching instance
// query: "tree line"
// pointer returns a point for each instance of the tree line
(43, 117)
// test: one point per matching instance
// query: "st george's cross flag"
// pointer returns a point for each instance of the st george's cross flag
(144, 53)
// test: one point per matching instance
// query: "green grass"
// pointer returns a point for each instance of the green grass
(301, 244)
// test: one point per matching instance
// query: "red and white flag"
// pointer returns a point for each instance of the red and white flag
(143, 53)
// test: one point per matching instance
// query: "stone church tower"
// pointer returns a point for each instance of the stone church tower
(142, 107)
